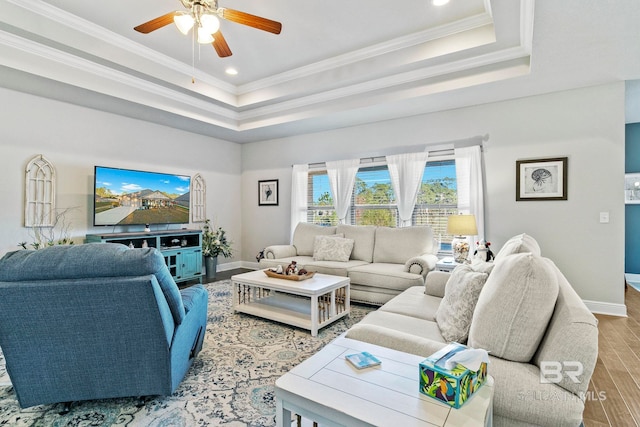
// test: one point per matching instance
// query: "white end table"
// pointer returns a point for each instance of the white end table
(446, 264)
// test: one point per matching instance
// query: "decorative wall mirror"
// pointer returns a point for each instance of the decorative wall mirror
(40, 192)
(198, 199)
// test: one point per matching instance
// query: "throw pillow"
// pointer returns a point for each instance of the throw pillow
(519, 244)
(460, 297)
(329, 248)
(515, 307)
(304, 237)
(481, 266)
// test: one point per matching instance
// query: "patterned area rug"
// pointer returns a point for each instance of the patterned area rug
(231, 382)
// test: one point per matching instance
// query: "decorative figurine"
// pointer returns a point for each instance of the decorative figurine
(292, 268)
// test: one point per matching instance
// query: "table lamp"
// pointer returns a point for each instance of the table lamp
(460, 226)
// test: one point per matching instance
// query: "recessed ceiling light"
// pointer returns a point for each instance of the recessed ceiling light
(231, 71)
(439, 2)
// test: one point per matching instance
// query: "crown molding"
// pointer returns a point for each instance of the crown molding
(398, 79)
(115, 77)
(76, 23)
(373, 51)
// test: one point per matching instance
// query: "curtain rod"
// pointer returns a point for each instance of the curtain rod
(436, 148)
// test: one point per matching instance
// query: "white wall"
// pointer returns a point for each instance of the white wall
(587, 125)
(75, 139)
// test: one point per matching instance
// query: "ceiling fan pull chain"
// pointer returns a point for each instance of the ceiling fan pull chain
(193, 58)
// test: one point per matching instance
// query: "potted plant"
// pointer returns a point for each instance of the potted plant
(214, 243)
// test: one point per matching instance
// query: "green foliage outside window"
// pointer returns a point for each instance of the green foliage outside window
(374, 200)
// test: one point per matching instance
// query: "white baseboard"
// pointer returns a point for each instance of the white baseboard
(230, 266)
(608, 308)
(250, 265)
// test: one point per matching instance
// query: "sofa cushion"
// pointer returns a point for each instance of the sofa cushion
(514, 307)
(305, 234)
(407, 324)
(395, 339)
(519, 244)
(363, 237)
(301, 262)
(330, 248)
(460, 297)
(335, 268)
(397, 245)
(383, 275)
(413, 302)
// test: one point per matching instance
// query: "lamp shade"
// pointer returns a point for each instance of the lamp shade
(204, 36)
(210, 23)
(184, 22)
(462, 225)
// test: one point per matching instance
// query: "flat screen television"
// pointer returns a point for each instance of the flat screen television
(132, 197)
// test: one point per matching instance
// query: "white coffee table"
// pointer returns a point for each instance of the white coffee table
(309, 304)
(326, 389)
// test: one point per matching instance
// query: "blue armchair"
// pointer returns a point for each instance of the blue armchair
(96, 321)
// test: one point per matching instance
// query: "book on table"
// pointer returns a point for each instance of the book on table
(363, 360)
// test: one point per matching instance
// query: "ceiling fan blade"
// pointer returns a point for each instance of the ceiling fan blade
(156, 23)
(220, 45)
(252, 20)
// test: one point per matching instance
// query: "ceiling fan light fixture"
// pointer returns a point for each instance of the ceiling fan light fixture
(184, 22)
(204, 36)
(211, 23)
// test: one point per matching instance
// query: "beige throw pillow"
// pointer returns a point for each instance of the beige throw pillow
(460, 297)
(519, 244)
(515, 306)
(330, 248)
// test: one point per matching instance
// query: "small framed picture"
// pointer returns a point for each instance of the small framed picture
(632, 188)
(268, 192)
(541, 179)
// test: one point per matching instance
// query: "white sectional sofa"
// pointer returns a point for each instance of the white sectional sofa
(381, 262)
(523, 311)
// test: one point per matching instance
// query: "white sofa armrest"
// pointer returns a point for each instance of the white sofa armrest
(435, 283)
(280, 251)
(421, 264)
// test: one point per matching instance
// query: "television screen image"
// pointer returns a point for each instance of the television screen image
(131, 197)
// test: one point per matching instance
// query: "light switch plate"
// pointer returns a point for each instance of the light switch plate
(604, 217)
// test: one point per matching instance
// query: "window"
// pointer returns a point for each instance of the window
(320, 208)
(437, 199)
(373, 201)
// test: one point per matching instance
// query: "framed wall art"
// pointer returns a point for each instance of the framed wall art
(632, 188)
(541, 179)
(268, 192)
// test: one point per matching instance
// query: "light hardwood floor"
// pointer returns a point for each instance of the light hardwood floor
(614, 390)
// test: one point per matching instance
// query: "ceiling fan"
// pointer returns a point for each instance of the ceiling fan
(203, 15)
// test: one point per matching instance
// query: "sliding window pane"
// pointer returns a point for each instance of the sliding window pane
(320, 203)
(437, 199)
(374, 199)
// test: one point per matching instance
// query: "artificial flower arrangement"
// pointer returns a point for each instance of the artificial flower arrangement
(215, 242)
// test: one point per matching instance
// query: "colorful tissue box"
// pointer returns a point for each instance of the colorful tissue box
(453, 387)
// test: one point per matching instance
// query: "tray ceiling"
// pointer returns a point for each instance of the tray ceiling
(334, 64)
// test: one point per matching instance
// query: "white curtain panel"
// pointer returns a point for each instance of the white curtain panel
(299, 184)
(469, 177)
(406, 172)
(342, 178)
